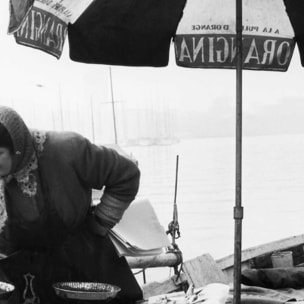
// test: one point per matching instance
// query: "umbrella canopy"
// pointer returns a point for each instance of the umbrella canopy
(206, 35)
(132, 32)
(43, 24)
(295, 10)
(138, 33)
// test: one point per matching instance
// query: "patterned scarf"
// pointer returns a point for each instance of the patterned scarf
(25, 177)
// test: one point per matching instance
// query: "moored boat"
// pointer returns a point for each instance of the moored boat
(203, 270)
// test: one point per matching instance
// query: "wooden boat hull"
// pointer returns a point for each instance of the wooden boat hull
(260, 256)
(203, 269)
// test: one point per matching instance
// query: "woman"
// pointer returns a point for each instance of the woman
(50, 232)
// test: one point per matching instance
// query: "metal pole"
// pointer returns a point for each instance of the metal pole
(175, 214)
(238, 209)
(176, 233)
(113, 106)
(60, 106)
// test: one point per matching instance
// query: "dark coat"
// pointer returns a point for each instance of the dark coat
(49, 211)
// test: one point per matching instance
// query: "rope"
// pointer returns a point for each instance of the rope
(173, 230)
(175, 249)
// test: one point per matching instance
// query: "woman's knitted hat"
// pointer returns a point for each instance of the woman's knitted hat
(20, 135)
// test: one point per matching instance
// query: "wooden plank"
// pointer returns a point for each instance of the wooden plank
(252, 252)
(203, 270)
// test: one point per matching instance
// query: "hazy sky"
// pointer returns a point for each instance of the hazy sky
(30, 76)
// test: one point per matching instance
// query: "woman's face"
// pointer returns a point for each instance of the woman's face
(5, 161)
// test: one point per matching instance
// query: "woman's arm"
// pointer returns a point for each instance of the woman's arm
(99, 167)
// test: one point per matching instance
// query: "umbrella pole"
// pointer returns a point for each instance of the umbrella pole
(238, 209)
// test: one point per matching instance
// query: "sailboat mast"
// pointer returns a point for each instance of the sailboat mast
(113, 105)
(92, 119)
(238, 209)
(60, 106)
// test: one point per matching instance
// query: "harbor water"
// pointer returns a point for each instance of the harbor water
(272, 189)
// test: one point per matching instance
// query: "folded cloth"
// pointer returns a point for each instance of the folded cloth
(260, 295)
(256, 300)
(274, 278)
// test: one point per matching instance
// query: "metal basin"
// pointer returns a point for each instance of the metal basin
(6, 289)
(85, 290)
